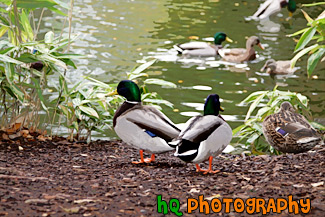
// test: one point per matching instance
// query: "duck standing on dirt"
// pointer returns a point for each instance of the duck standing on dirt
(289, 132)
(238, 55)
(203, 49)
(270, 7)
(204, 137)
(280, 67)
(140, 126)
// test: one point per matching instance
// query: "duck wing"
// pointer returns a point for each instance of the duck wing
(194, 45)
(200, 128)
(268, 8)
(153, 121)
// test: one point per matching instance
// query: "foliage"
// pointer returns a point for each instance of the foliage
(316, 33)
(88, 106)
(264, 103)
(26, 63)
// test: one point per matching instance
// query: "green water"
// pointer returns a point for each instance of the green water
(116, 34)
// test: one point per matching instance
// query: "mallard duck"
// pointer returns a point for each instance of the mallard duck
(280, 67)
(141, 126)
(204, 137)
(203, 49)
(288, 131)
(238, 55)
(270, 7)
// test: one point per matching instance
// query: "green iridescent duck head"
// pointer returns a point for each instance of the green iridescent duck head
(212, 105)
(220, 37)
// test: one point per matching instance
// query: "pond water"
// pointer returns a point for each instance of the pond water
(117, 34)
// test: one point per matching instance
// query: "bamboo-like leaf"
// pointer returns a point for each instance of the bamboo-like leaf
(159, 101)
(313, 4)
(317, 125)
(89, 111)
(160, 82)
(134, 76)
(4, 20)
(49, 37)
(252, 96)
(308, 18)
(26, 25)
(305, 38)
(254, 105)
(238, 129)
(8, 59)
(39, 93)
(3, 30)
(301, 53)
(53, 60)
(313, 60)
(298, 32)
(143, 67)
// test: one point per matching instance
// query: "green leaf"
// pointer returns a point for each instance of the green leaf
(308, 18)
(252, 96)
(305, 38)
(39, 93)
(301, 53)
(27, 58)
(143, 67)
(26, 25)
(317, 125)
(89, 111)
(49, 37)
(254, 105)
(313, 4)
(238, 129)
(8, 59)
(159, 101)
(313, 60)
(160, 82)
(4, 21)
(3, 30)
(298, 32)
(134, 76)
(53, 60)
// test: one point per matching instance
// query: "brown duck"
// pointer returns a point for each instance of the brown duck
(238, 55)
(290, 132)
(280, 67)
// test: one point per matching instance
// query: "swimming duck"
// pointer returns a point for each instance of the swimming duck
(204, 137)
(141, 126)
(270, 7)
(239, 55)
(288, 131)
(280, 67)
(203, 49)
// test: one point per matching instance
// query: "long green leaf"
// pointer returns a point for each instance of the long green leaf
(26, 25)
(301, 53)
(3, 30)
(8, 59)
(254, 105)
(89, 111)
(160, 82)
(313, 4)
(39, 93)
(305, 38)
(313, 60)
(143, 67)
(298, 32)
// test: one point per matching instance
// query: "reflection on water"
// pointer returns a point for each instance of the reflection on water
(116, 34)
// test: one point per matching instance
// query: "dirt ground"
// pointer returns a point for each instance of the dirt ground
(58, 178)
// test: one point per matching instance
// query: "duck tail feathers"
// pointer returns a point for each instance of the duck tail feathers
(178, 48)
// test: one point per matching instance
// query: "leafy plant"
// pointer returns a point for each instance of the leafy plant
(264, 103)
(26, 63)
(315, 32)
